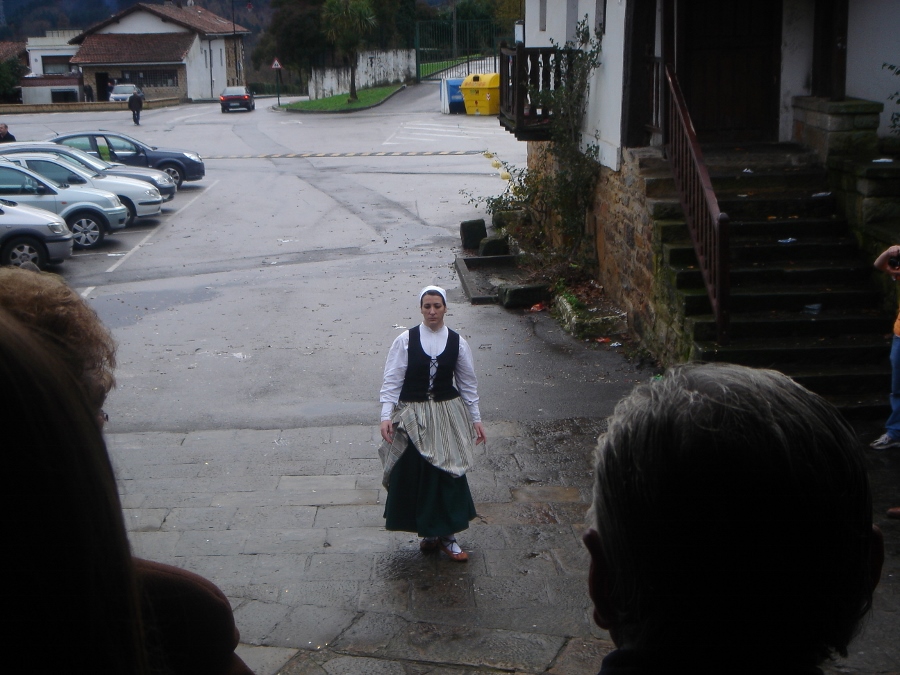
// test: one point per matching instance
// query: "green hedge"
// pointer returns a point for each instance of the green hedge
(265, 88)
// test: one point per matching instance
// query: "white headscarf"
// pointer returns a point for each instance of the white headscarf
(433, 289)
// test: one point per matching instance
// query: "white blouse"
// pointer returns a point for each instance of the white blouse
(433, 343)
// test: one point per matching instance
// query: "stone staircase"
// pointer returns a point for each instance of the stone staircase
(802, 297)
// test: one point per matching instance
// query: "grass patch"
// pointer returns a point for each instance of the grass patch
(426, 69)
(338, 103)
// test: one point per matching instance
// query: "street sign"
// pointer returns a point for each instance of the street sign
(276, 65)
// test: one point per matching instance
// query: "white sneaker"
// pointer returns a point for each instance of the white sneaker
(885, 442)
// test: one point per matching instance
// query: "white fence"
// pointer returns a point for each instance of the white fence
(373, 69)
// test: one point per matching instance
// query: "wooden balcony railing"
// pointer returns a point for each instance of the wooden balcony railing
(707, 224)
(526, 73)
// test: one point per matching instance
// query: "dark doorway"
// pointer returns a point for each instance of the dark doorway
(101, 92)
(728, 64)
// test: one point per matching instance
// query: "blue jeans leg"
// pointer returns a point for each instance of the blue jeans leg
(893, 423)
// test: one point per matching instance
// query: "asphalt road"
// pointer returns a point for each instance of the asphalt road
(266, 295)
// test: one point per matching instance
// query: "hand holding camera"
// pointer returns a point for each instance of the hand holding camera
(889, 262)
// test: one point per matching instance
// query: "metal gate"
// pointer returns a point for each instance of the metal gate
(455, 49)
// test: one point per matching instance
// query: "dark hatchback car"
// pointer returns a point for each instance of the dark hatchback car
(181, 165)
(237, 97)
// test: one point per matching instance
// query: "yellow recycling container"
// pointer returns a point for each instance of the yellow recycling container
(481, 94)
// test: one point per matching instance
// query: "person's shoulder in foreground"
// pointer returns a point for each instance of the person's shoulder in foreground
(731, 527)
(190, 625)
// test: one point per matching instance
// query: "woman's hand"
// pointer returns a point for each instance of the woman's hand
(387, 431)
(479, 433)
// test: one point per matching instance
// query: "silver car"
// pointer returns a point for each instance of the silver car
(139, 198)
(91, 214)
(32, 235)
(122, 92)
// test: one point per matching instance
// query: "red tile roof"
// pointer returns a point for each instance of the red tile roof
(115, 48)
(196, 19)
(201, 20)
(11, 50)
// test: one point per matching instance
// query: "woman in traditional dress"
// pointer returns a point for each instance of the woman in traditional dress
(430, 424)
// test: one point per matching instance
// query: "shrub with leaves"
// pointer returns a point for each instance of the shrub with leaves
(558, 190)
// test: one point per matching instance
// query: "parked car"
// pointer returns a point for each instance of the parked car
(181, 165)
(158, 179)
(32, 235)
(91, 214)
(233, 98)
(122, 92)
(139, 198)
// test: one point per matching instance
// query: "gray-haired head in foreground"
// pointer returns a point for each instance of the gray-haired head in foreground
(734, 516)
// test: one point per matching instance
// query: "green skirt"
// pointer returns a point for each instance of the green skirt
(424, 499)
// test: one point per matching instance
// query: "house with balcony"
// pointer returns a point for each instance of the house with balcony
(169, 50)
(748, 175)
(53, 78)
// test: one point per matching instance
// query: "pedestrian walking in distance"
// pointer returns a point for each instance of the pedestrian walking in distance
(88, 93)
(135, 105)
(430, 423)
(5, 136)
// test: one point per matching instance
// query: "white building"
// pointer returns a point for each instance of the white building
(53, 78)
(168, 50)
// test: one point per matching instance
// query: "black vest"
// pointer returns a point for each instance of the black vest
(418, 370)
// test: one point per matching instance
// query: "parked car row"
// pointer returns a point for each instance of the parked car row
(76, 189)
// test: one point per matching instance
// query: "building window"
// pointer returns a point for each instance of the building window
(151, 78)
(63, 96)
(542, 15)
(55, 65)
(600, 17)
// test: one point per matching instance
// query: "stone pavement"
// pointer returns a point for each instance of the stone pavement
(289, 524)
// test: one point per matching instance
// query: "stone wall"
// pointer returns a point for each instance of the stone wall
(848, 127)
(374, 69)
(82, 106)
(630, 256)
(629, 248)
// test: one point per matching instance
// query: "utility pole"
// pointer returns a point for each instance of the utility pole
(234, 42)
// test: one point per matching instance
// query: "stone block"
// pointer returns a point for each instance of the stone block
(851, 143)
(471, 232)
(879, 210)
(866, 121)
(522, 296)
(584, 324)
(310, 627)
(879, 188)
(493, 246)
(545, 493)
(503, 219)
(264, 660)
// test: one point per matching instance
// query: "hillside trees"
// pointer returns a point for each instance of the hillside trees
(295, 35)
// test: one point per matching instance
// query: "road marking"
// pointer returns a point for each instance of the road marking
(177, 120)
(143, 241)
(329, 155)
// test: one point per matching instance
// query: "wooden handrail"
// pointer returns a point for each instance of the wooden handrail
(709, 227)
